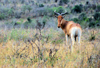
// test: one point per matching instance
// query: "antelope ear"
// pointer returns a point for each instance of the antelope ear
(63, 16)
(55, 13)
(56, 16)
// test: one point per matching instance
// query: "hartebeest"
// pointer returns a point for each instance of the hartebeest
(70, 28)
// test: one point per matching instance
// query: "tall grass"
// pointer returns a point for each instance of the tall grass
(23, 49)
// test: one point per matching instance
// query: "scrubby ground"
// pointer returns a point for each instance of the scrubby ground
(29, 37)
(45, 48)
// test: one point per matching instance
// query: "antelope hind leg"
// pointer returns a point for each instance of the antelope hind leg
(72, 40)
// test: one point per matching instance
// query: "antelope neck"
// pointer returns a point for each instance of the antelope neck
(62, 21)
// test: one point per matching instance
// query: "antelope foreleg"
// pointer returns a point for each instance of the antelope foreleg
(66, 39)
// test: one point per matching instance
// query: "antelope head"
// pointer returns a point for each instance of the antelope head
(59, 16)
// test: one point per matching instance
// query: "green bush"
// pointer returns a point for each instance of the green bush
(59, 9)
(41, 5)
(29, 24)
(17, 14)
(87, 19)
(84, 24)
(75, 19)
(97, 16)
(29, 20)
(2, 16)
(92, 24)
(14, 23)
(58, 41)
(14, 35)
(45, 18)
(6, 12)
(29, 8)
(98, 7)
(18, 34)
(50, 11)
(77, 9)
(92, 37)
(65, 1)
(19, 22)
(11, 12)
(82, 16)
(24, 8)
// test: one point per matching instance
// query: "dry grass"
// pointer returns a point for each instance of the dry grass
(35, 53)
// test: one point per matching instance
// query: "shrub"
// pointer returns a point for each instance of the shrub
(77, 9)
(91, 19)
(87, 2)
(6, 12)
(29, 8)
(60, 9)
(92, 37)
(41, 5)
(50, 11)
(24, 8)
(93, 6)
(81, 5)
(92, 24)
(87, 19)
(96, 16)
(11, 12)
(65, 1)
(41, 24)
(29, 24)
(60, 2)
(29, 20)
(19, 22)
(82, 16)
(84, 24)
(2, 16)
(57, 41)
(14, 35)
(56, 0)
(98, 7)
(75, 19)
(44, 21)
(22, 1)
(18, 34)
(17, 14)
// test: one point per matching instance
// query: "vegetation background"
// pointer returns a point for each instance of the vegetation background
(29, 37)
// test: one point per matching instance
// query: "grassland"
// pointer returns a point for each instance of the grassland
(31, 48)
(29, 37)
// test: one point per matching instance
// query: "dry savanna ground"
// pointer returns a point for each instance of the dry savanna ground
(29, 37)
(30, 48)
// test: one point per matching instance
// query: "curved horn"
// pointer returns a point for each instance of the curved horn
(56, 13)
(64, 13)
